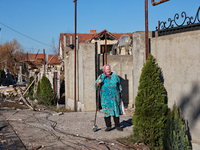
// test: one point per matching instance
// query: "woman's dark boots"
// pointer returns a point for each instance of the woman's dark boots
(108, 123)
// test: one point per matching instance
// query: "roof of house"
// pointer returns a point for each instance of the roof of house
(87, 37)
(83, 37)
(35, 60)
(54, 60)
(118, 35)
(101, 35)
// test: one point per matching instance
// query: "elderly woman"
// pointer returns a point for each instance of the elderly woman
(110, 92)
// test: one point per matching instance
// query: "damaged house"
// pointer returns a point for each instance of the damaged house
(38, 65)
(115, 42)
(90, 55)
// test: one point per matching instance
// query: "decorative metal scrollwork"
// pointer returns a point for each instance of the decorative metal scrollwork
(172, 23)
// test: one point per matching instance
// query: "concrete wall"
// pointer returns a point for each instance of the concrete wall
(85, 92)
(122, 66)
(178, 55)
(87, 76)
(139, 58)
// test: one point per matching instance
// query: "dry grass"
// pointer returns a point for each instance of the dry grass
(127, 141)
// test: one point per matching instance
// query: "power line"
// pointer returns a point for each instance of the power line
(24, 35)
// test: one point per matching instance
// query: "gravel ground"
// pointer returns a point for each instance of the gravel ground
(50, 130)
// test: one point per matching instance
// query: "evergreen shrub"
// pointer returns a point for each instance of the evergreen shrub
(176, 137)
(151, 110)
(38, 92)
(31, 89)
(47, 94)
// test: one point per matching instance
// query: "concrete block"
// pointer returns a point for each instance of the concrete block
(70, 105)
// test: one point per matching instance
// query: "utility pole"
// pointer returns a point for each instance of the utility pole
(44, 60)
(75, 1)
(146, 30)
(146, 23)
(106, 47)
(0, 37)
(1, 53)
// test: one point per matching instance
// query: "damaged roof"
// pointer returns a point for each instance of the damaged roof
(88, 37)
(53, 59)
(35, 61)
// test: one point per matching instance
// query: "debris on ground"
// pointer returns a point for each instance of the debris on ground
(101, 142)
(1, 135)
(15, 119)
(3, 141)
(58, 114)
(38, 147)
(39, 109)
(15, 112)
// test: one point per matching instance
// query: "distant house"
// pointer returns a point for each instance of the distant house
(92, 37)
(112, 42)
(35, 61)
(53, 61)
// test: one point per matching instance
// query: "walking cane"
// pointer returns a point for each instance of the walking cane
(95, 127)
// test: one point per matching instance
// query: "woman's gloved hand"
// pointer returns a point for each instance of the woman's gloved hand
(99, 82)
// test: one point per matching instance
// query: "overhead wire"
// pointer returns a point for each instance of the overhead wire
(24, 35)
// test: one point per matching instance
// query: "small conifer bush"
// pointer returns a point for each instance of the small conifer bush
(47, 94)
(38, 92)
(30, 90)
(176, 137)
(150, 113)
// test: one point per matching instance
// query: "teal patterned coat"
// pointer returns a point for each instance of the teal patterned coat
(110, 95)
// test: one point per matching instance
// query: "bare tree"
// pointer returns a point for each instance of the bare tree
(54, 46)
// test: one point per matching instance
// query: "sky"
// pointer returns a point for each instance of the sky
(36, 23)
